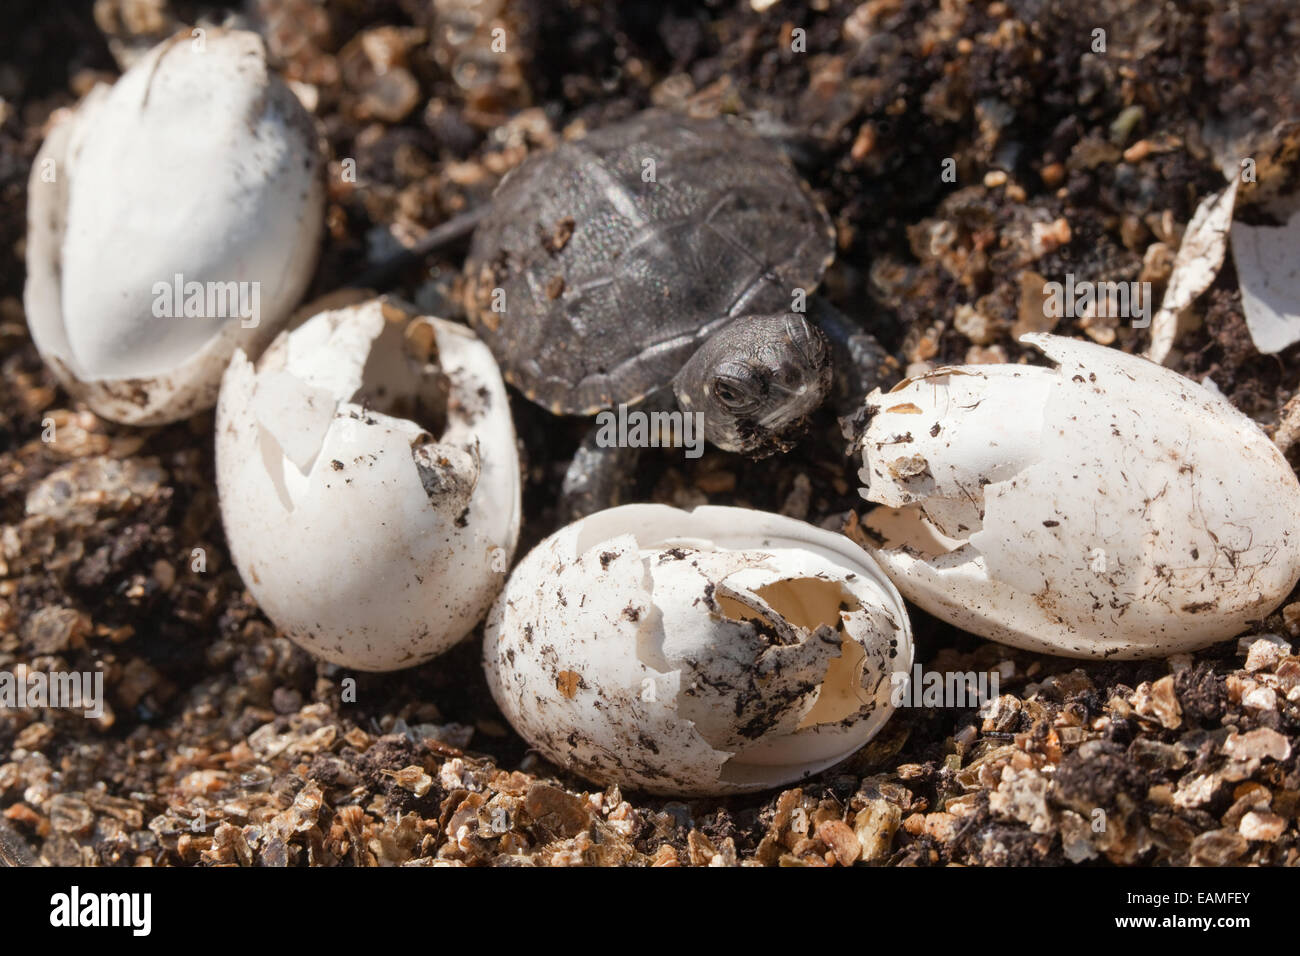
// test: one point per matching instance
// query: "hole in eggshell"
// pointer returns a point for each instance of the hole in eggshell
(396, 383)
(301, 393)
(842, 694)
(807, 604)
(907, 528)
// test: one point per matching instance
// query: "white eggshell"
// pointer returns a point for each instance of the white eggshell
(1104, 508)
(713, 651)
(365, 539)
(198, 162)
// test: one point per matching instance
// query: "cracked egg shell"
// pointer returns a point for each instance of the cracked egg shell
(719, 650)
(1107, 507)
(367, 540)
(198, 163)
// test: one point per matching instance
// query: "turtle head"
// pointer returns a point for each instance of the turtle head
(755, 380)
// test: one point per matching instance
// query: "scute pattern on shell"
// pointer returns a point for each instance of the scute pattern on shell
(610, 282)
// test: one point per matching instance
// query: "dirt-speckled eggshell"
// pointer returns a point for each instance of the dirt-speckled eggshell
(367, 540)
(1107, 507)
(199, 162)
(713, 651)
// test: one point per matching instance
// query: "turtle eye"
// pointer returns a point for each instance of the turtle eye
(734, 394)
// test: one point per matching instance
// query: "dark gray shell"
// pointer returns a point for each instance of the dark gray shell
(607, 283)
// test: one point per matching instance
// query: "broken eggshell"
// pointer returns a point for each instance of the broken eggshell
(1264, 257)
(719, 650)
(1107, 507)
(369, 483)
(199, 170)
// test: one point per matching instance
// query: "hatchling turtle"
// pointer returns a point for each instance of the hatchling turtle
(667, 260)
(661, 251)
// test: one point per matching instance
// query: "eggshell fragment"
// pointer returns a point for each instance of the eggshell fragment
(714, 651)
(1105, 508)
(371, 499)
(1264, 257)
(200, 171)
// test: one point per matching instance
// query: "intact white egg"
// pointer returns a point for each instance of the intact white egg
(1107, 507)
(369, 483)
(710, 651)
(172, 218)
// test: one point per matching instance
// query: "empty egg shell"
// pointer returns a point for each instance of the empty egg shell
(369, 483)
(172, 218)
(714, 651)
(1104, 508)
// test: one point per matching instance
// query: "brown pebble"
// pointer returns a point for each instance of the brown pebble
(1053, 174)
(863, 143)
(1138, 151)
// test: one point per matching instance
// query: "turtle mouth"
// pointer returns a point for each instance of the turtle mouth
(786, 390)
(789, 413)
(759, 438)
(792, 399)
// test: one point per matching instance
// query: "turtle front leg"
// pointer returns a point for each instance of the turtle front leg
(603, 471)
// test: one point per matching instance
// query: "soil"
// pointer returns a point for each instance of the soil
(223, 743)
